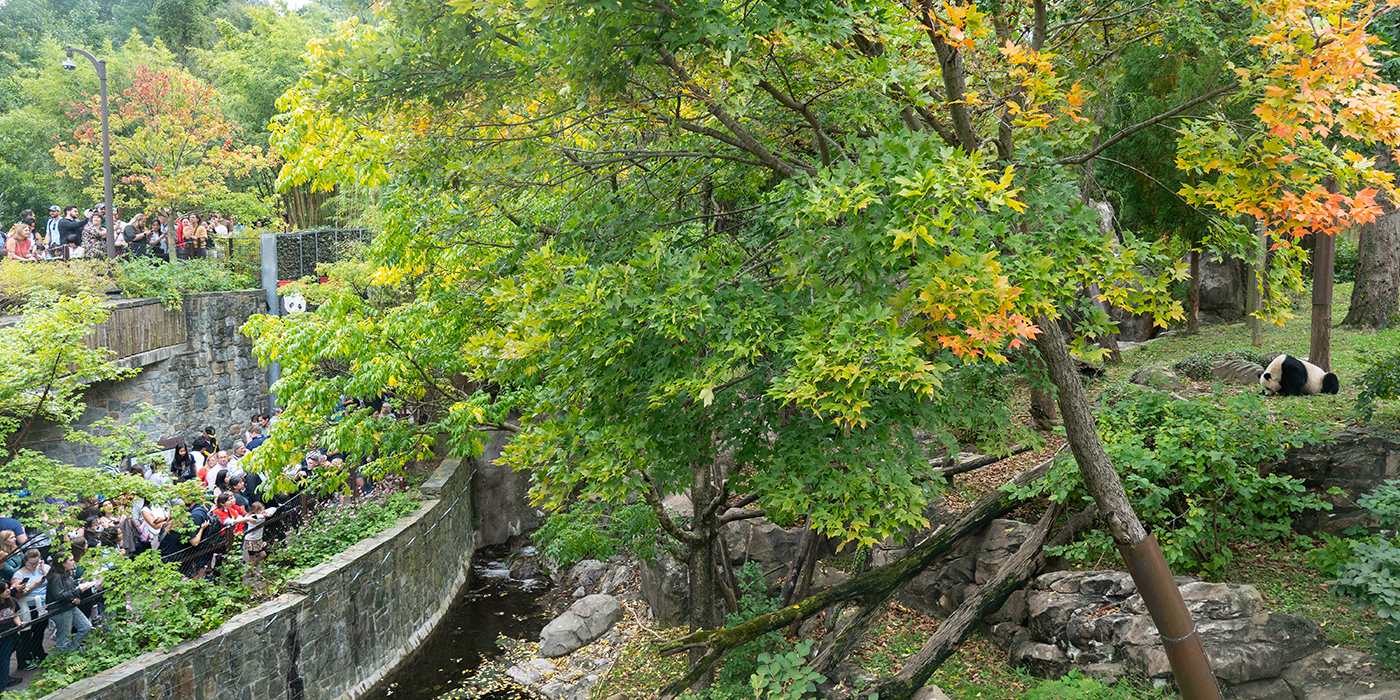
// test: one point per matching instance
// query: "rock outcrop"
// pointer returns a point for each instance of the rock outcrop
(1356, 461)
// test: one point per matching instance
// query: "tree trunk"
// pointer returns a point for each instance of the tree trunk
(704, 587)
(1375, 300)
(1012, 576)
(1044, 416)
(1193, 319)
(875, 585)
(1324, 256)
(1254, 301)
(1145, 561)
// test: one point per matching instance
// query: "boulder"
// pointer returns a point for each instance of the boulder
(1271, 689)
(1159, 378)
(929, 692)
(1041, 660)
(1378, 691)
(1332, 668)
(585, 573)
(1356, 461)
(1223, 288)
(583, 622)
(1236, 372)
(758, 540)
(974, 561)
(666, 588)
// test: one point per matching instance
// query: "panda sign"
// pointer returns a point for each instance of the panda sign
(293, 304)
(1290, 376)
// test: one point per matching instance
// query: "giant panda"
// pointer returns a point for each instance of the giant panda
(1290, 376)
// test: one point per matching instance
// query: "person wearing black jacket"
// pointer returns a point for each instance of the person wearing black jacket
(70, 227)
(182, 465)
(70, 624)
(9, 622)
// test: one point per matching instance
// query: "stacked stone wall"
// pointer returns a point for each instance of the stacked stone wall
(343, 626)
(213, 379)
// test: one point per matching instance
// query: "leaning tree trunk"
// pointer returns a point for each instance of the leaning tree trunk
(1139, 550)
(1375, 300)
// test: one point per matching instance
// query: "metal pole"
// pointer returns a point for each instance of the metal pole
(101, 68)
(268, 242)
(107, 164)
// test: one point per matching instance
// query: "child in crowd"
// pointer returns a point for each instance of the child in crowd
(254, 548)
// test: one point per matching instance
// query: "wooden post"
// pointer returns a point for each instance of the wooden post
(1257, 269)
(1324, 256)
(1193, 320)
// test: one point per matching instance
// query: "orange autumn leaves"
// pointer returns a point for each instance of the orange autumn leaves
(1324, 115)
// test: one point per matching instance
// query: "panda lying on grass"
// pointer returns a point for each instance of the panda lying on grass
(1290, 376)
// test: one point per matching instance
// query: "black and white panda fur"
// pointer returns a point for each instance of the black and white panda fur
(1290, 376)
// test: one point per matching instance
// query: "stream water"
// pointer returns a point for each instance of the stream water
(464, 657)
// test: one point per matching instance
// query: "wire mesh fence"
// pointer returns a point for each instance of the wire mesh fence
(299, 252)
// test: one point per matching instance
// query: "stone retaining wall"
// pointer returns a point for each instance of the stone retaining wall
(341, 629)
(211, 379)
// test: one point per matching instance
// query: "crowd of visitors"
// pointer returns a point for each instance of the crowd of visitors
(44, 587)
(69, 233)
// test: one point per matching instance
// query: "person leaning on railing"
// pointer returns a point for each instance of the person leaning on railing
(20, 244)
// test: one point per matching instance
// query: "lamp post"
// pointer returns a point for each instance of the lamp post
(101, 67)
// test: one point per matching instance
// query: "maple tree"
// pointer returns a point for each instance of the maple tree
(725, 248)
(172, 147)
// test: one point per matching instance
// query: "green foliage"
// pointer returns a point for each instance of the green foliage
(161, 608)
(1344, 266)
(1380, 381)
(593, 530)
(333, 528)
(732, 681)
(1368, 570)
(1076, 686)
(1198, 366)
(19, 281)
(786, 676)
(1190, 469)
(169, 282)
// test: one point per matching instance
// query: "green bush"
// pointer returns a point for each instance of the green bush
(1199, 365)
(594, 531)
(1076, 686)
(1380, 381)
(332, 529)
(19, 280)
(1344, 264)
(1370, 575)
(161, 608)
(167, 281)
(1190, 469)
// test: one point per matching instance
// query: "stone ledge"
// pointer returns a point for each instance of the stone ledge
(151, 357)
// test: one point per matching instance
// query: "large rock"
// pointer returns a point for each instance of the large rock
(760, 541)
(1332, 669)
(1223, 289)
(666, 588)
(1097, 620)
(584, 621)
(974, 561)
(1271, 689)
(1157, 378)
(1355, 461)
(1235, 371)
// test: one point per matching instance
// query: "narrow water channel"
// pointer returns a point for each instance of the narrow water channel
(461, 659)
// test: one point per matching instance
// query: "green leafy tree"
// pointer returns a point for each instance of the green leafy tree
(722, 249)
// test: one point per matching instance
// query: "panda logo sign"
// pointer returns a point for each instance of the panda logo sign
(294, 304)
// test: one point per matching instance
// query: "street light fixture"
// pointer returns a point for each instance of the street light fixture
(101, 67)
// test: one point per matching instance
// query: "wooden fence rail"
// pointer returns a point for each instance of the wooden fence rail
(137, 326)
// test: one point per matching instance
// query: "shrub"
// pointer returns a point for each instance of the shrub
(1371, 574)
(167, 281)
(19, 280)
(1076, 686)
(1199, 365)
(1380, 380)
(591, 530)
(1190, 469)
(1344, 262)
(332, 529)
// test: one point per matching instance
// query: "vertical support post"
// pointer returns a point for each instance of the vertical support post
(107, 165)
(1258, 268)
(268, 241)
(1324, 258)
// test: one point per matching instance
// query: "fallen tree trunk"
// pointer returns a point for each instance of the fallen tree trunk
(876, 584)
(988, 599)
(956, 467)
